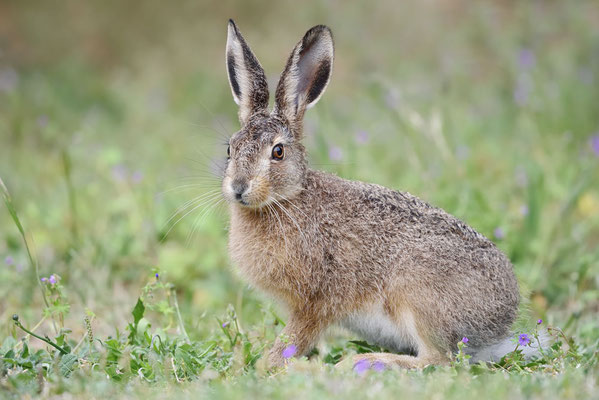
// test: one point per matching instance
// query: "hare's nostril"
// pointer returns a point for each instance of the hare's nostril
(239, 187)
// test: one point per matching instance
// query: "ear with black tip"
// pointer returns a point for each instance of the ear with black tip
(306, 75)
(246, 76)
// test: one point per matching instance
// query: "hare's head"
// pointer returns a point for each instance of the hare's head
(266, 159)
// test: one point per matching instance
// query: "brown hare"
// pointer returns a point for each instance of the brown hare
(398, 272)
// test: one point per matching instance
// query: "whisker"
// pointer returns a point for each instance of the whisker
(200, 218)
(200, 180)
(292, 204)
(275, 214)
(188, 203)
(186, 214)
(202, 175)
(214, 117)
(291, 218)
(202, 203)
(187, 187)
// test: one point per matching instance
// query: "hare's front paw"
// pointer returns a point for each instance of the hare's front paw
(275, 357)
(281, 354)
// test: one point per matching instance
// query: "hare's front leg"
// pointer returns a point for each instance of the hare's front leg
(298, 337)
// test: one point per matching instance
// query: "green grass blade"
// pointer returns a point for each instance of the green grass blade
(32, 260)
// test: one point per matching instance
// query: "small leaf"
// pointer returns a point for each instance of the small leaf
(362, 346)
(138, 311)
(67, 364)
(334, 356)
(142, 326)
(25, 351)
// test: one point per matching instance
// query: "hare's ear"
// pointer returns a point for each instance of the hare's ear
(306, 75)
(246, 76)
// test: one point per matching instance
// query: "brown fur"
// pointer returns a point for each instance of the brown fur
(330, 248)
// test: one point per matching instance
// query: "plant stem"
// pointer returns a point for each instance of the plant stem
(63, 351)
(180, 320)
(32, 260)
(83, 338)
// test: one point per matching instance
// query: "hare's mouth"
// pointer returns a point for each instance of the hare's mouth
(253, 193)
(251, 200)
(254, 205)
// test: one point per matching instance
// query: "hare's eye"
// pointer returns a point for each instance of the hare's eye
(229, 151)
(277, 152)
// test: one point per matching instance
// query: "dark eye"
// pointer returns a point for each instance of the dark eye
(277, 152)
(229, 151)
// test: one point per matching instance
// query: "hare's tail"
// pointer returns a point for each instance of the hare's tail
(494, 352)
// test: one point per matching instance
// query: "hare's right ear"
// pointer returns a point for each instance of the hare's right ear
(306, 75)
(246, 76)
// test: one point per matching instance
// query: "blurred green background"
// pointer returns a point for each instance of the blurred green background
(113, 114)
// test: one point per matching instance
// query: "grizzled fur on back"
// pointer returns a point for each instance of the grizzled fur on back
(385, 264)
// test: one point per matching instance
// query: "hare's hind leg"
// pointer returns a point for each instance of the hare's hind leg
(397, 330)
(390, 360)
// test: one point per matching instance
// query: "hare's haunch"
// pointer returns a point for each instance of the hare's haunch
(398, 272)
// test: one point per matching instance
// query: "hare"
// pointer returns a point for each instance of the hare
(398, 272)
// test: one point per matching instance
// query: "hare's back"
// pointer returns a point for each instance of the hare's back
(398, 224)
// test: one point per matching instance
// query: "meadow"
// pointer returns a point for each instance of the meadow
(114, 118)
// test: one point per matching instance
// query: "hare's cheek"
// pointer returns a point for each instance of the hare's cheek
(227, 189)
(259, 191)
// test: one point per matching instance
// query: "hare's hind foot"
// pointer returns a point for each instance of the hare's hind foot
(382, 361)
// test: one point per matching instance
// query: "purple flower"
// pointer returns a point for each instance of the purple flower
(157, 276)
(119, 173)
(137, 177)
(52, 279)
(225, 324)
(594, 143)
(523, 340)
(44, 279)
(362, 366)
(539, 322)
(379, 366)
(498, 233)
(465, 340)
(335, 153)
(289, 351)
(9, 260)
(362, 137)
(526, 59)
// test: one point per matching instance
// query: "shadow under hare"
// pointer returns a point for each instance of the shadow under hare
(396, 271)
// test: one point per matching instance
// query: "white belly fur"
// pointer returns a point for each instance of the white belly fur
(377, 327)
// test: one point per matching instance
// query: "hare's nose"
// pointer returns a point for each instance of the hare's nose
(239, 187)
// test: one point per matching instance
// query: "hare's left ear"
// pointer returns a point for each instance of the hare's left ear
(306, 75)
(246, 76)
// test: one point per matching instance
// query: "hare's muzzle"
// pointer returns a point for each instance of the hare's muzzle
(239, 187)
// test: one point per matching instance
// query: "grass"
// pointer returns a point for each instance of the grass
(109, 125)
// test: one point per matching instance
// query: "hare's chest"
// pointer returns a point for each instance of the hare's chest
(261, 256)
